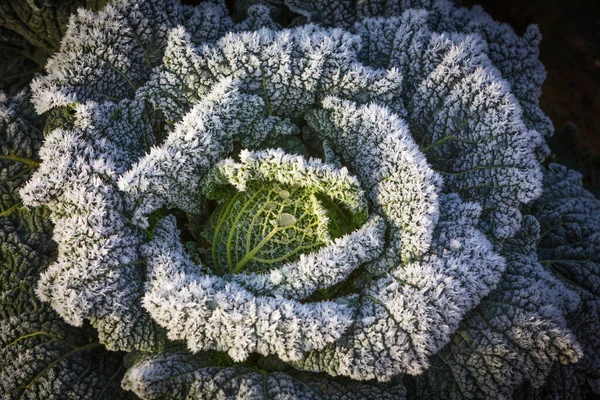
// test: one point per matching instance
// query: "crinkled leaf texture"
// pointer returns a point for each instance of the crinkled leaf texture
(514, 335)
(570, 248)
(41, 356)
(516, 57)
(181, 375)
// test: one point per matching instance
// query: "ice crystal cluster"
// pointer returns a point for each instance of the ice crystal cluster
(354, 204)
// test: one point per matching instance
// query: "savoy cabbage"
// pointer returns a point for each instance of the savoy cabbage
(354, 206)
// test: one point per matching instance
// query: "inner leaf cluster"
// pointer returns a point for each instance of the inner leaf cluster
(267, 225)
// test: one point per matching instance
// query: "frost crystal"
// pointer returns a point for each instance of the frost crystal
(97, 273)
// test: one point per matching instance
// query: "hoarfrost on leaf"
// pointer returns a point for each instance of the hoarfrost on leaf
(41, 355)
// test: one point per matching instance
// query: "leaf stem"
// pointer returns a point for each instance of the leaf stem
(10, 210)
(248, 257)
(13, 157)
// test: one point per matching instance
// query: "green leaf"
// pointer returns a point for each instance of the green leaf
(266, 226)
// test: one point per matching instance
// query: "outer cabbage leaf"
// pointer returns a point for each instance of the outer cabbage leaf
(458, 105)
(30, 31)
(42, 23)
(516, 57)
(570, 248)
(104, 56)
(97, 274)
(569, 217)
(515, 335)
(107, 55)
(561, 383)
(41, 356)
(181, 375)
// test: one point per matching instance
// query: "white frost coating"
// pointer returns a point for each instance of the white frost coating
(387, 161)
(291, 69)
(107, 55)
(322, 268)
(515, 56)
(275, 165)
(461, 112)
(172, 173)
(409, 314)
(96, 274)
(209, 312)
